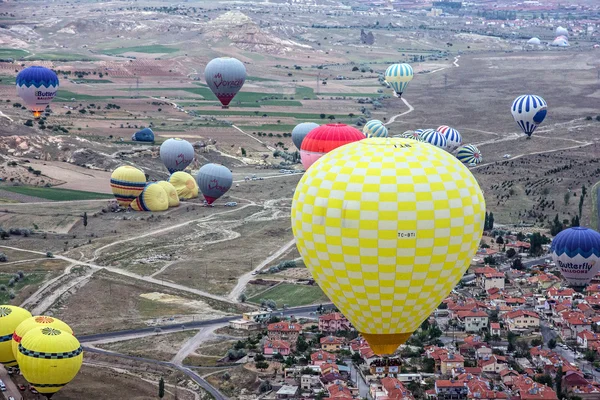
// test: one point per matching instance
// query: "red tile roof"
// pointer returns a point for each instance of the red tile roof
(284, 327)
(447, 357)
(495, 325)
(449, 384)
(322, 356)
(521, 313)
(277, 344)
(395, 389)
(332, 316)
(331, 340)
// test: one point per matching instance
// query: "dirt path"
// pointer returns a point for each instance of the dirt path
(193, 343)
(244, 279)
(6, 116)
(257, 139)
(456, 61)
(410, 109)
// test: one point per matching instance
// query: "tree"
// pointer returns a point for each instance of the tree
(544, 379)
(558, 381)
(3, 257)
(486, 221)
(322, 116)
(29, 123)
(259, 358)
(243, 152)
(489, 260)
(262, 365)
(242, 298)
(536, 342)
(510, 253)
(499, 240)
(161, 388)
(551, 344)
(575, 221)
(331, 117)
(301, 344)
(518, 264)
(85, 220)
(491, 221)
(356, 358)
(567, 198)
(556, 226)
(429, 365)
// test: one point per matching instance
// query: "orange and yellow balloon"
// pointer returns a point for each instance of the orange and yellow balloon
(35, 322)
(387, 228)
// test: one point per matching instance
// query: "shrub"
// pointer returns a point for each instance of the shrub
(3, 257)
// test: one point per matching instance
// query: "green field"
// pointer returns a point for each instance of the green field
(65, 95)
(259, 79)
(292, 295)
(258, 114)
(92, 81)
(7, 80)
(13, 53)
(373, 95)
(56, 194)
(60, 57)
(152, 49)
(28, 279)
(302, 92)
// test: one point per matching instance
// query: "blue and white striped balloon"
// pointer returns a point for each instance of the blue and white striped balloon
(375, 128)
(435, 138)
(469, 154)
(398, 76)
(452, 136)
(529, 111)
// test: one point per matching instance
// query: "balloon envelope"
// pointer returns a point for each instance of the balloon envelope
(576, 251)
(37, 86)
(10, 318)
(398, 77)
(214, 180)
(127, 183)
(184, 184)
(144, 135)
(152, 198)
(325, 138)
(435, 138)
(453, 137)
(225, 77)
(49, 358)
(171, 193)
(387, 227)
(529, 111)
(375, 128)
(300, 131)
(469, 154)
(176, 154)
(35, 322)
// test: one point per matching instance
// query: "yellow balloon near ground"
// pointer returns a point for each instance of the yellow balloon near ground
(127, 183)
(49, 358)
(387, 228)
(152, 198)
(34, 322)
(171, 193)
(10, 318)
(185, 184)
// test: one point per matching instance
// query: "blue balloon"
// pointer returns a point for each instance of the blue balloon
(529, 111)
(37, 77)
(145, 135)
(37, 86)
(576, 251)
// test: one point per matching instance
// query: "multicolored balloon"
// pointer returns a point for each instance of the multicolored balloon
(529, 111)
(176, 154)
(37, 86)
(153, 198)
(144, 135)
(576, 252)
(49, 359)
(127, 183)
(39, 321)
(387, 227)
(184, 184)
(375, 128)
(325, 138)
(10, 318)
(300, 131)
(414, 135)
(435, 138)
(453, 137)
(214, 180)
(469, 154)
(225, 76)
(398, 76)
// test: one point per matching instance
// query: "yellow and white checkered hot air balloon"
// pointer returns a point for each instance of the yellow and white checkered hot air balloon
(387, 228)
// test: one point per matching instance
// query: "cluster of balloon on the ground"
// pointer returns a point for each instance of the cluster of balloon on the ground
(131, 189)
(44, 349)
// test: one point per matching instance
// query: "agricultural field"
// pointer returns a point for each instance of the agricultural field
(56, 194)
(292, 295)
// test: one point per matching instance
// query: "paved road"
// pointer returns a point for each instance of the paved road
(297, 311)
(11, 388)
(197, 378)
(356, 377)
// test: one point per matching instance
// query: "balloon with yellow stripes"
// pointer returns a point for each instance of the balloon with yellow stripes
(387, 228)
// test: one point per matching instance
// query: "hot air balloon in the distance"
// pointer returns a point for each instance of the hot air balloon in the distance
(10, 318)
(387, 227)
(375, 128)
(414, 135)
(171, 192)
(49, 359)
(576, 252)
(325, 138)
(37, 86)
(529, 111)
(469, 154)
(453, 137)
(225, 76)
(153, 198)
(127, 183)
(184, 184)
(398, 76)
(435, 138)
(214, 180)
(143, 135)
(176, 154)
(36, 322)
(300, 131)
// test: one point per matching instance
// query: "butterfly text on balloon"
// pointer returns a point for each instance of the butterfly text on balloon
(576, 268)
